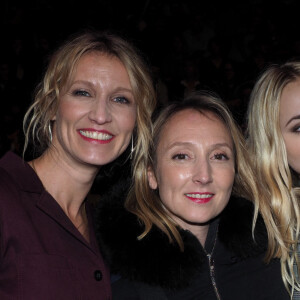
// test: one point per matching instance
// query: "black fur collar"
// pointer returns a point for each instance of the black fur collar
(153, 259)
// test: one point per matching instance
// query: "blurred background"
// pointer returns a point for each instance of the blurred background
(216, 45)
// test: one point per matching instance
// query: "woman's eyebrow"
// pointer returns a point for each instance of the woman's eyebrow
(292, 119)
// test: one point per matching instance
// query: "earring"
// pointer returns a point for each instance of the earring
(50, 131)
(132, 148)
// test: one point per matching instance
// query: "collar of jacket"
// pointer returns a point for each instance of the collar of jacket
(154, 260)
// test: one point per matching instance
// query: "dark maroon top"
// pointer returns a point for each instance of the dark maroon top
(42, 254)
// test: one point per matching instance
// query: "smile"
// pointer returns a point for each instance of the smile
(95, 135)
(200, 197)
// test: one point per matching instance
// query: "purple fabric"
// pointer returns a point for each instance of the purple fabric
(42, 254)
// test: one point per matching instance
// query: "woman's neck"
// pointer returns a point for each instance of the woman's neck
(68, 184)
(198, 230)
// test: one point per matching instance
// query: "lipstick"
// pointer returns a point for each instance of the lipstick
(200, 198)
(96, 136)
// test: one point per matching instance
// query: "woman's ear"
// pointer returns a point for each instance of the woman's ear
(151, 178)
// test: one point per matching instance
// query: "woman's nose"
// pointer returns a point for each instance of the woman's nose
(100, 112)
(202, 172)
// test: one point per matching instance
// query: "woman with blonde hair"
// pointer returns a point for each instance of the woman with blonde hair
(274, 144)
(186, 232)
(94, 102)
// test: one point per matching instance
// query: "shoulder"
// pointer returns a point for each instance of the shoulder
(15, 172)
(8, 186)
(235, 230)
(18, 181)
(9, 170)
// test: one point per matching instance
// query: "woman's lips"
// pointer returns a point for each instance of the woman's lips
(98, 136)
(200, 197)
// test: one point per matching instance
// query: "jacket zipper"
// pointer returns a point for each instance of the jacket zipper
(212, 275)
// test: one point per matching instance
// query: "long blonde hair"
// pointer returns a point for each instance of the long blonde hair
(145, 203)
(278, 203)
(37, 121)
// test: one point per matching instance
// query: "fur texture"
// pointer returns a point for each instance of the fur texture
(153, 260)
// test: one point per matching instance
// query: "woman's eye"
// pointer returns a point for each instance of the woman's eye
(220, 156)
(180, 156)
(121, 100)
(81, 93)
(296, 129)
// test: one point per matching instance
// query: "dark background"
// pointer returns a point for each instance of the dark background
(216, 45)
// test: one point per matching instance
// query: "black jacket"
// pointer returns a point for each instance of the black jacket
(152, 268)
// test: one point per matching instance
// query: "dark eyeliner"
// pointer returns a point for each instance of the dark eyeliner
(296, 129)
(221, 154)
(123, 100)
(179, 156)
(81, 93)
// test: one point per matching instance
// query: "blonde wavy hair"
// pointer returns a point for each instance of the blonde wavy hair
(37, 120)
(279, 200)
(146, 204)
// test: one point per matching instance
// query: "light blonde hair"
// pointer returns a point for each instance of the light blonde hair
(146, 204)
(278, 202)
(37, 120)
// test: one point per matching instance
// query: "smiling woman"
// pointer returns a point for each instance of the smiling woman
(96, 96)
(194, 169)
(187, 232)
(96, 113)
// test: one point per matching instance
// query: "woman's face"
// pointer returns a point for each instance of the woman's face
(195, 169)
(289, 119)
(97, 112)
